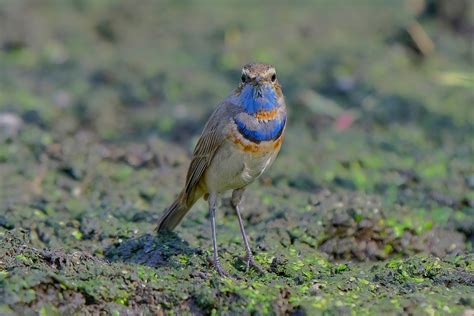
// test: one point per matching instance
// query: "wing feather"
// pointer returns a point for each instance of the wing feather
(206, 147)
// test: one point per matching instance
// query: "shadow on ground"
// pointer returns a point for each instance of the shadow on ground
(149, 250)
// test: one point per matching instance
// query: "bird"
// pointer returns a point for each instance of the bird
(240, 140)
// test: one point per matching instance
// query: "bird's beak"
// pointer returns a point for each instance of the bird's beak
(258, 86)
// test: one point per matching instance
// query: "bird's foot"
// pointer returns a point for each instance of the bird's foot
(250, 262)
(219, 269)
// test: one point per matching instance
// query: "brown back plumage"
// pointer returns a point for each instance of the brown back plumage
(206, 147)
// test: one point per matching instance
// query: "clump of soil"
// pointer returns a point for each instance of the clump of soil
(358, 229)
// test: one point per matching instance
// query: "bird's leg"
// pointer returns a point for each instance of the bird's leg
(250, 261)
(212, 212)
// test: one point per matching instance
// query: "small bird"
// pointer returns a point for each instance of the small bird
(239, 142)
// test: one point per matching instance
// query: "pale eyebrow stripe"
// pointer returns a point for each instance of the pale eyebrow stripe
(272, 70)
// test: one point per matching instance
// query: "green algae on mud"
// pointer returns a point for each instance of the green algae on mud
(33, 279)
(376, 217)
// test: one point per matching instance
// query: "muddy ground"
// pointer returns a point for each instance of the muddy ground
(369, 208)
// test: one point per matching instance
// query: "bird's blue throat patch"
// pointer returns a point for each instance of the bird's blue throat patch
(258, 98)
(270, 130)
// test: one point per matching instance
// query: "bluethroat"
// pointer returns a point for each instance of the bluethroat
(239, 142)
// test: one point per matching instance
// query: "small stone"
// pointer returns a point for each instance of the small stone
(10, 124)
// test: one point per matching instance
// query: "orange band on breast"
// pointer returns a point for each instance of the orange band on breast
(250, 147)
(266, 115)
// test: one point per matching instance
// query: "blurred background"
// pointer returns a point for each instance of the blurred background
(375, 86)
(101, 103)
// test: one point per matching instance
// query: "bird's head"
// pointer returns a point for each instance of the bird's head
(259, 89)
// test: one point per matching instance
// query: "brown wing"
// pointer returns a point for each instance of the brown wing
(206, 147)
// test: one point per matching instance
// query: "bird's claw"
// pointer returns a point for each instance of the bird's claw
(250, 262)
(219, 269)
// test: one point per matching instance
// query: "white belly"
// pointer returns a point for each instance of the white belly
(233, 168)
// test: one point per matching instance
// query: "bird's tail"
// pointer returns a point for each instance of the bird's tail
(175, 213)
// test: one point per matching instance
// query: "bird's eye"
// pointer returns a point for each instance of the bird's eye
(243, 78)
(274, 77)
